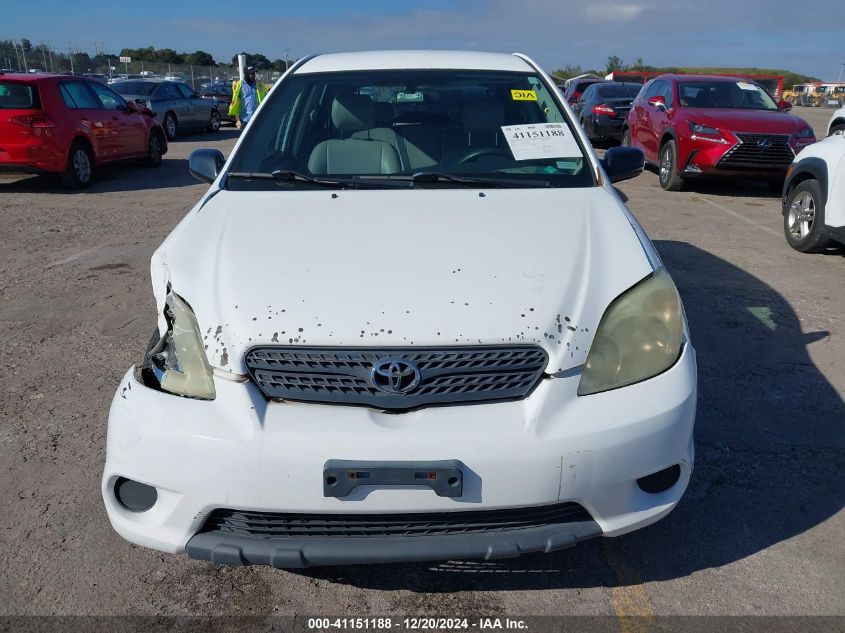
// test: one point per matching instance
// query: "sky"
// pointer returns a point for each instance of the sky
(805, 36)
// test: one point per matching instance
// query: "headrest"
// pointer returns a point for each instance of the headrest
(483, 115)
(353, 113)
(383, 114)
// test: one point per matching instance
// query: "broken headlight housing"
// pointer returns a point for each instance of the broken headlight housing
(640, 336)
(177, 361)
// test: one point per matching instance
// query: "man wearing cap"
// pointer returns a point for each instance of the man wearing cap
(246, 95)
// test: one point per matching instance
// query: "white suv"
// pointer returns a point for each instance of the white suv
(411, 319)
(814, 196)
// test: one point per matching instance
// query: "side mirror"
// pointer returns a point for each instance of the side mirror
(622, 163)
(205, 164)
(132, 107)
(658, 102)
(784, 105)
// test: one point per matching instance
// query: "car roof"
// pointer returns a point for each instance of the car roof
(721, 78)
(20, 76)
(150, 80)
(412, 60)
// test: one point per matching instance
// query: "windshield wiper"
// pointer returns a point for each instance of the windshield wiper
(470, 181)
(291, 176)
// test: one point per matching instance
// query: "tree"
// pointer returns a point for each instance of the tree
(199, 58)
(567, 72)
(614, 63)
(280, 65)
(257, 60)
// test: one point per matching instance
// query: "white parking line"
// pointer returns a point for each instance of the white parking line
(739, 216)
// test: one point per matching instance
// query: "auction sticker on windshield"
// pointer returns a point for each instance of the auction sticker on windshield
(540, 140)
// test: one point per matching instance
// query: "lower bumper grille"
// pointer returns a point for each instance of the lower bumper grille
(271, 525)
(758, 151)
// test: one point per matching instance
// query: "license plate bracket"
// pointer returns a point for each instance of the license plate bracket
(444, 477)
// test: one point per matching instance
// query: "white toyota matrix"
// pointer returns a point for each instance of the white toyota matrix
(411, 319)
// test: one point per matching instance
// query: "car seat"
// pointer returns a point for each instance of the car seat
(350, 114)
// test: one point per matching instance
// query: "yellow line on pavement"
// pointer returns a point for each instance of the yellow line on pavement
(629, 600)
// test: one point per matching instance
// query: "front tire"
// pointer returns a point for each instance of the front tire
(80, 167)
(214, 122)
(170, 126)
(803, 221)
(668, 174)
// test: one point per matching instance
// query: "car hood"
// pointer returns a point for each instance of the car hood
(393, 268)
(751, 121)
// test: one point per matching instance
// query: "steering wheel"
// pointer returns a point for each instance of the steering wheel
(475, 154)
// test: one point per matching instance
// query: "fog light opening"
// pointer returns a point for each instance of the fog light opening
(660, 481)
(133, 495)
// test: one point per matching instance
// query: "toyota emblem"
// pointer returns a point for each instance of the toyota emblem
(395, 376)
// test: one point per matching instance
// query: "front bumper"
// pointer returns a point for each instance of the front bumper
(242, 452)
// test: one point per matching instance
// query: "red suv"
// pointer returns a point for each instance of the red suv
(71, 125)
(695, 125)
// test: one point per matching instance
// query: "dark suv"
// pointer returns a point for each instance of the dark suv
(695, 125)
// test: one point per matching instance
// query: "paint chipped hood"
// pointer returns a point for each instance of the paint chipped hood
(409, 267)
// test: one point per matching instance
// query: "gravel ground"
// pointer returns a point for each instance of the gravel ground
(760, 530)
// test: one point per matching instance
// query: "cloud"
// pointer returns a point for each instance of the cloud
(612, 11)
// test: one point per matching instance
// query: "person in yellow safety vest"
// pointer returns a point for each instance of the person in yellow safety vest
(246, 95)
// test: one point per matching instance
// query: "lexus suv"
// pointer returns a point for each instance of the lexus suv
(411, 319)
(698, 125)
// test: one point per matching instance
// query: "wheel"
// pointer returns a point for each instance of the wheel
(214, 123)
(169, 126)
(668, 174)
(626, 138)
(80, 166)
(155, 149)
(803, 220)
(837, 130)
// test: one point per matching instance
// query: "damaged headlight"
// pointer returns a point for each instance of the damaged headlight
(177, 361)
(639, 336)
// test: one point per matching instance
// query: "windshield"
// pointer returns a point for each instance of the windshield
(619, 91)
(724, 94)
(391, 125)
(143, 88)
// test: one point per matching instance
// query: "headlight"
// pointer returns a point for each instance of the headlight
(178, 360)
(639, 336)
(704, 131)
(805, 133)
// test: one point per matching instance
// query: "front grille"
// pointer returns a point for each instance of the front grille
(421, 376)
(749, 153)
(272, 525)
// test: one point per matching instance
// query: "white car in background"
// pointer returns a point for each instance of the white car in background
(411, 319)
(814, 196)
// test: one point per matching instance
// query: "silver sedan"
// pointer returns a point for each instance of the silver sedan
(177, 107)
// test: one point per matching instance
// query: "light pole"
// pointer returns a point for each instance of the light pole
(841, 68)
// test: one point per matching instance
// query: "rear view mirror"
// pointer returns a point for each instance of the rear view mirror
(622, 163)
(205, 164)
(658, 102)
